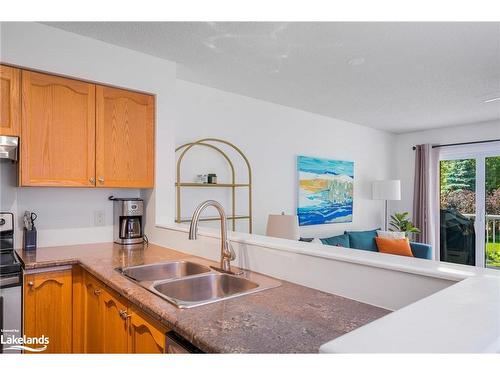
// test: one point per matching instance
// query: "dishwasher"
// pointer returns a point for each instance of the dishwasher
(176, 344)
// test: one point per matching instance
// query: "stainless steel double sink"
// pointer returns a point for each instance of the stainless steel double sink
(187, 284)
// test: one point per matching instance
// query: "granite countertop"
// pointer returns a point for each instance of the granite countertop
(288, 319)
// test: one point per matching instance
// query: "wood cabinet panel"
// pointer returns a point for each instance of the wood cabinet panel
(48, 309)
(58, 131)
(114, 325)
(147, 336)
(93, 340)
(125, 138)
(10, 115)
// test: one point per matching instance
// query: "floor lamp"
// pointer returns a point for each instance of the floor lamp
(388, 190)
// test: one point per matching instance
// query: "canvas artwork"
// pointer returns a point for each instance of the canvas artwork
(325, 191)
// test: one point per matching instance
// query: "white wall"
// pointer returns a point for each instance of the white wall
(66, 215)
(404, 162)
(272, 136)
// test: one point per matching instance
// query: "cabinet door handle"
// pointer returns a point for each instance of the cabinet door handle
(124, 315)
(97, 292)
(31, 284)
(92, 180)
(101, 180)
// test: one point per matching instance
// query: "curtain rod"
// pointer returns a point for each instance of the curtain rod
(463, 143)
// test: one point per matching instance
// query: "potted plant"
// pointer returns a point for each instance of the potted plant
(400, 222)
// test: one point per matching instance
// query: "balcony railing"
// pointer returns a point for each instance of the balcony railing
(492, 227)
(492, 240)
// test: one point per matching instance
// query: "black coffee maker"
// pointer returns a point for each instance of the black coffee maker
(128, 223)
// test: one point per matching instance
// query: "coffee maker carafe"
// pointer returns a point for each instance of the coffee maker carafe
(128, 223)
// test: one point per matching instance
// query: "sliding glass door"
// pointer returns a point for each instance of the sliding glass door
(457, 211)
(469, 202)
(492, 194)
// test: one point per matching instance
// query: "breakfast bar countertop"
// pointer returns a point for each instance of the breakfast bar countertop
(288, 319)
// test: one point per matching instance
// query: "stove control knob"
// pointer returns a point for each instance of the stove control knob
(2, 221)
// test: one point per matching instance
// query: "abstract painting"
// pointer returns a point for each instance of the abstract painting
(325, 190)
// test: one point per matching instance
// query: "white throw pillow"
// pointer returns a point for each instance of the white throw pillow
(389, 234)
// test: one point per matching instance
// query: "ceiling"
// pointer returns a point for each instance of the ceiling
(399, 77)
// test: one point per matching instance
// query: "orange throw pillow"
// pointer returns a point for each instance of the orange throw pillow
(394, 246)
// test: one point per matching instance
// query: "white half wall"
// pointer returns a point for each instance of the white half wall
(404, 160)
(384, 280)
(66, 215)
(272, 136)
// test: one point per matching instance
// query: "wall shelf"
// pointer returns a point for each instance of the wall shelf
(215, 218)
(209, 143)
(196, 184)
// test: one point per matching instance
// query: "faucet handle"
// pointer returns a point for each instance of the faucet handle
(230, 250)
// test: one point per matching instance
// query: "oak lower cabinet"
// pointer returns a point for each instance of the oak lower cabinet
(145, 334)
(10, 99)
(48, 309)
(91, 316)
(113, 325)
(80, 314)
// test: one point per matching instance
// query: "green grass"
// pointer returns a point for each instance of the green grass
(493, 254)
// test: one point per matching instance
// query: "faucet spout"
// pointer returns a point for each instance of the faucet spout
(227, 252)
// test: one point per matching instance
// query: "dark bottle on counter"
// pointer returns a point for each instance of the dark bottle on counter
(212, 178)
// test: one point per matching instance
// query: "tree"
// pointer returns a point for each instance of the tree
(458, 175)
(492, 173)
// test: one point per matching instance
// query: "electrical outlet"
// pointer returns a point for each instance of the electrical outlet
(99, 218)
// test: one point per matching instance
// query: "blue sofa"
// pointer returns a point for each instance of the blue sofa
(365, 240)
(421, 250)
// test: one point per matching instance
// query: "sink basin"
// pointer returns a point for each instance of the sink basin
(188, 284)
(164, 271)
(200, 290)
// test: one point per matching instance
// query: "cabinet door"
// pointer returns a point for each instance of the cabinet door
(114, 323)
(58, 131)
(10, 111)
(146, 335)
(48, 309)
(93, 339)
(124, 139)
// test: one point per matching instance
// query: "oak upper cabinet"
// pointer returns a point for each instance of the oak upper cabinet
(146, 335)
(58, 131)
(48, 309)
(124, 139)
(10, 97)
(114, 322)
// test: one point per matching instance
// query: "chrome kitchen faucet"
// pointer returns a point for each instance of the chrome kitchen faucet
(226, 253)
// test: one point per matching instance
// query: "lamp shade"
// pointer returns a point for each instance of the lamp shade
(283, 226)
(387, 190)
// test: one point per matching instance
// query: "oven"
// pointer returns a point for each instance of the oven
(10, 285)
